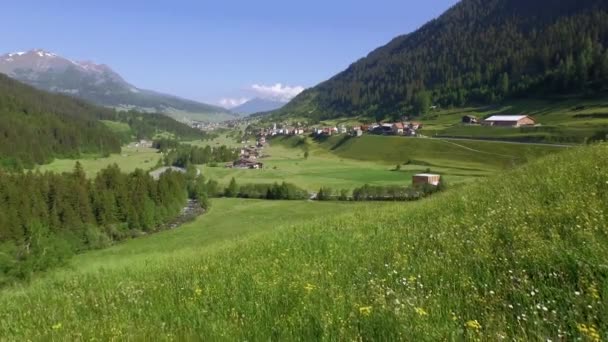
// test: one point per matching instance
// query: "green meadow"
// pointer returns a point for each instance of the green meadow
(518, 256)
(128, 160)
(342, 162)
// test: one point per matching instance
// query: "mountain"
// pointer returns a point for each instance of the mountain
(96, 83)
(257, 105)
(36, 126)
(478, 52)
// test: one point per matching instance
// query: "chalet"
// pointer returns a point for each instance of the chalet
(426, 178)
(470, 120)
(509, 121)
(398, 128)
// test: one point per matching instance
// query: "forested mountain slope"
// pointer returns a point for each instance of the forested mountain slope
(479, 51)
(36, 126)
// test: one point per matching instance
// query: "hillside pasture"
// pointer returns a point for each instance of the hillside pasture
(130, 159)
(519, 256)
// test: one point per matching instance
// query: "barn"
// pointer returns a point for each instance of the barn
(426, 178)
(510, 121)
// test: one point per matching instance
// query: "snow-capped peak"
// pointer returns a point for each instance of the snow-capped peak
(13, 54)
(37, 52)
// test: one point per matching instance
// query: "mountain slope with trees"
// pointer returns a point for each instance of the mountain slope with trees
(478, 52)
(36, 126)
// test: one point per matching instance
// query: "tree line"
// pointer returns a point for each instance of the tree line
(183, 155)
(380, 193)
(46, 217)
(275, 191)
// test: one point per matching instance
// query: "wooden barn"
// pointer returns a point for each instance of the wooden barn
(426, 178)
(510, 121)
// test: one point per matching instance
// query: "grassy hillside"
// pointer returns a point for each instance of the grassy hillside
(466, 154)
(562, 120)
(518, 256)
(128, 160)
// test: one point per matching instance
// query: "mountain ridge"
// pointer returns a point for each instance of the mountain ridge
(257, 105)
(97, 83)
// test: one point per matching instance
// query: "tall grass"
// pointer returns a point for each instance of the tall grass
(520, 256)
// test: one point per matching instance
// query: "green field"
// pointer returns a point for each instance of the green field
(517, 256)
(130, 159)
(345, 163)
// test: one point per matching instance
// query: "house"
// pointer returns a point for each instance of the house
(470, 120)
(398, 128)
(509, 121)
(343, 129)
(426, 178)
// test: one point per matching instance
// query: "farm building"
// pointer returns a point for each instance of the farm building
(509, 121)
(426, 178)
(470, 120)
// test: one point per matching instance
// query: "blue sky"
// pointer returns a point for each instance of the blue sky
(214, 50)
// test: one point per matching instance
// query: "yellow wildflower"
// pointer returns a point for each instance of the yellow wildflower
(57, 326)
(473, 325)
(589, 331)
(593, 291)
(309, 287)
(365, 310)
(421, 312)
(198, 291)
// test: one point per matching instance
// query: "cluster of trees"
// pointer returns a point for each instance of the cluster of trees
(479, 52)
(182, 155)
(148, 125)
(276, 191)
(45, 218)
(36, 127)
(379, 193)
